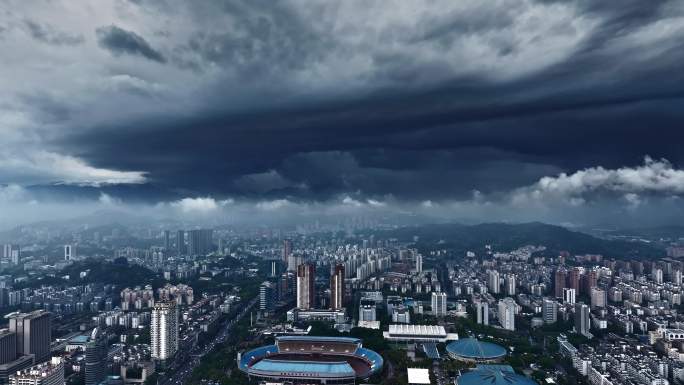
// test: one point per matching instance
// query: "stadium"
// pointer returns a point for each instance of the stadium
(311, 360)
(472, 350)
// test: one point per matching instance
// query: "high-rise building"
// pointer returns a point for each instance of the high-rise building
(267, 297)
(598, 298)
(8, 346)
(493, 282)
(200, 242)
(482, 312)
(549, 311)
(559, 282)
(167, 240)
(164, 330)
(337, 287)
(69, 252)
(286, 286)
(574, 280)
(7, 251)
(439, 304)
(46, 373)
(34, 334)
(306, 288)
(367, 310)
(569, 296)
(419, 263)
(582, 321)
(287, 251)
(180, 242)
(510, 284)
(95, 356)
(507, 313)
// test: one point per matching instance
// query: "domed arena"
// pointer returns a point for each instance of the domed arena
(493, 375)
(314, 360)
(473, 350)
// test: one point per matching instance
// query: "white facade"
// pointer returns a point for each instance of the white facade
(439, 304)
(507, 313)
(164, 330)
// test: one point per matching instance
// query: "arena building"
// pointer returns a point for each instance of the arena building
(472, 350)
(311, 360)
(493, 375)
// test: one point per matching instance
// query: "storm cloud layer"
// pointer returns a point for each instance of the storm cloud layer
(501, 110)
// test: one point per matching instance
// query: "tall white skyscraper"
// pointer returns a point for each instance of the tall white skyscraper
(569, 296)
(419, 263)
(164, 330)
(439, 304)
(337, 288)
(494, 283)
(482, 311)
(510, 284)
(69, 252)
(507, 313)
(582, 320)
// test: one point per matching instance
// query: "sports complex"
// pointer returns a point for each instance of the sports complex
(472, 350)
(311, 360)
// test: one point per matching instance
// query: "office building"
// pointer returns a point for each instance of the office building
(306, 288)
(569, 296)
(419, 263)
(337, 288)
(33, 331)
(439, 304)
(164, 330)
(267, 297)
(507, 313)
(46, 373)
(549, 311)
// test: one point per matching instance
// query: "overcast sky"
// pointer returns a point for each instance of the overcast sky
(562, 111)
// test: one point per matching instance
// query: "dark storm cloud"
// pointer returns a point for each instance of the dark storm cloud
(49, 35)
(419, 130)
(120, 41)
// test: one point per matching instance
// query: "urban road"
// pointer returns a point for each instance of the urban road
(183, 370)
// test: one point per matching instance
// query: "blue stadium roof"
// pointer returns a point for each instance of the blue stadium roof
(305, 367)
(474, 349)
(493, 375)
(256, 353)
(319, 339)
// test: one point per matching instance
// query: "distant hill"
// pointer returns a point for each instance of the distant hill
(503, 237)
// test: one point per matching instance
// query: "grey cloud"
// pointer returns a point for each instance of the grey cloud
(48, 34)
(120, 41)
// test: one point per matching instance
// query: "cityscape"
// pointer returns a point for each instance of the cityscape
(377, 192)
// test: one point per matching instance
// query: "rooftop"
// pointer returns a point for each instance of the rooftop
(417, 330)
(418, 376)
(472, 348)
(493, 375)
